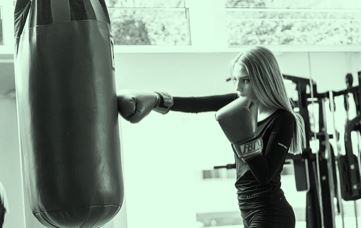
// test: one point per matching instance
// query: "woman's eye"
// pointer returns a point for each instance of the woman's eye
(234, 80)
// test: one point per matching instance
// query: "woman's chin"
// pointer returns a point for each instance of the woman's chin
(240, 94)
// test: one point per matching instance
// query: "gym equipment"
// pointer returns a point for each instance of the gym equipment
(300, 165)
(343, 180)
(348, 164)
(227, 166)
(336, 136)
(326, 169)
(300, 162)
(67, 112)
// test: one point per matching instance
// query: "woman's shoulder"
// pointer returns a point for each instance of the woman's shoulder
(284, 116)
(284, 112)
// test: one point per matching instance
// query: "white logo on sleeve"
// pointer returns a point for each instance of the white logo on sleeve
(282, 145)
(254, 146)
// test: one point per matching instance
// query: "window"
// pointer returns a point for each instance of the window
(1, 28)
(223, 26)
(6, 26)
(142, 22)
(285, 22)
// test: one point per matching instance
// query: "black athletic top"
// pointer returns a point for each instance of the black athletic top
(258, 179)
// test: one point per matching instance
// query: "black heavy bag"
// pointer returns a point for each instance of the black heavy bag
(67, 111)
(348, 164)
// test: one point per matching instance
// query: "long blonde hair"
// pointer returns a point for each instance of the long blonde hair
(268, 86)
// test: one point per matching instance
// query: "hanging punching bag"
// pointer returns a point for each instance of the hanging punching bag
(67, 111)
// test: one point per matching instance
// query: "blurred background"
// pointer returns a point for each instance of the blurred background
(184, 47)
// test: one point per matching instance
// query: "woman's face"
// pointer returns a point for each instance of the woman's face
(242, 82)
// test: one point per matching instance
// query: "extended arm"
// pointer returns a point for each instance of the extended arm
(134, 107)
(202, 103)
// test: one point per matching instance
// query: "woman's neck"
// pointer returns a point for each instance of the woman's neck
(264, 109)
(264, 112)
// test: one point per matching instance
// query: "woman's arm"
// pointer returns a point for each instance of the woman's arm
(265, 167)
(134, 107)
(202, 104)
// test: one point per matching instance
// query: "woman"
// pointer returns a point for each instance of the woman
(258, 78)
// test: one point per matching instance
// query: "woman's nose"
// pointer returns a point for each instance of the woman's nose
(239, 86)
(240, 83)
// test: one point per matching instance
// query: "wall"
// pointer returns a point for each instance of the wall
(10, 174)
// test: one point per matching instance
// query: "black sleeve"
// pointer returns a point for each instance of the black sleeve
(202, 104)
(265, 167)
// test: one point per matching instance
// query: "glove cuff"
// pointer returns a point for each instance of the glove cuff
(165, 102)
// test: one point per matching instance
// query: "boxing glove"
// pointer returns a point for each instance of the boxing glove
(134, 107)
(238, 122)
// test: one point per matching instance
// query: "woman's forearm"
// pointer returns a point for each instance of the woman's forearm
(202, 103)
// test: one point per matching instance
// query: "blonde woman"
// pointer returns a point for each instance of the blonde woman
(257, 78)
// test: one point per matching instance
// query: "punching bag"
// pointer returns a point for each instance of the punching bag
(67, 111)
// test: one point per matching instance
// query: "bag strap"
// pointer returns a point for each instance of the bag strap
(60, 10)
